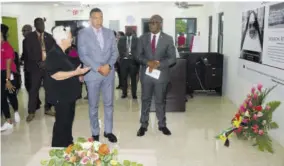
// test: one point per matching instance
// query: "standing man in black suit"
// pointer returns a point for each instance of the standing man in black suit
(36, 45)
(26, 30)
(156, 50)
(127, 47)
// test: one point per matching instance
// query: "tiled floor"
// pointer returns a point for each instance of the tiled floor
(192, 142)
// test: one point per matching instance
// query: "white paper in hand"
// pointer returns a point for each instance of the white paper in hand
(155, 73)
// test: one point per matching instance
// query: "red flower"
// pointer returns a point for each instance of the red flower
(259, 87)
(255, 128)
(239, 129)
(258, 108)
(91, 139)
(254, 117)
(260, 132)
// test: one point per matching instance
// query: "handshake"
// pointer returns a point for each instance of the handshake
(153, 65)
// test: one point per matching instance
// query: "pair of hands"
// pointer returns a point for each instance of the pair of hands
(153, 65)
(104, 70)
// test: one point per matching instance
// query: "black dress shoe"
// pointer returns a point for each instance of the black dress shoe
(135, 97)
(96, 138)
(165, 130)
(123, 96)
(111, 137)
(141, 131)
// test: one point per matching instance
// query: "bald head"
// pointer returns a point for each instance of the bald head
(26, 29)
(155, 24)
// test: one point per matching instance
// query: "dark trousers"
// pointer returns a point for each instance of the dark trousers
(117, 66)
(36, 78)
(5, 95)
(28, 85)
(159, 90)
(62, 129)
(129, 67)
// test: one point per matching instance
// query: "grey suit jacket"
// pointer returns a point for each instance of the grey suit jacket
(91, 54)
(165, 53)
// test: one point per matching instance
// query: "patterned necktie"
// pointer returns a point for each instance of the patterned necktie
(42, 44)
(128, 45)
(153, 44)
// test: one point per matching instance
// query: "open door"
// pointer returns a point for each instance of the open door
(12, 23)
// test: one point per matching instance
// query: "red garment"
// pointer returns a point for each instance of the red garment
(181, 40)
(191, 44)
(153, 44)
(73, 53)
(7, 52)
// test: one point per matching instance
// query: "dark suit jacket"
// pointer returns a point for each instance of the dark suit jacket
(32, 50)
(165, 53)
(122, 46)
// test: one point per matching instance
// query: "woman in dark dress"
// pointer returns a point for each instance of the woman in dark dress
(62, 86)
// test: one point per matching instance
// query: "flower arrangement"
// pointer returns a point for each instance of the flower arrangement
(253, 120)
(85, 153)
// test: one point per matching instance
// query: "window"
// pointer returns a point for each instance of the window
(220, 33)
(210, 34)
(185, 30)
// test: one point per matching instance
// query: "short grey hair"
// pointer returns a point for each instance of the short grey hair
(60, 33)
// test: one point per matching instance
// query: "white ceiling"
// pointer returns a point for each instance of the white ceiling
(91, 3)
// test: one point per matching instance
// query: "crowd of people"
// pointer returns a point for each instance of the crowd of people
(62, 66)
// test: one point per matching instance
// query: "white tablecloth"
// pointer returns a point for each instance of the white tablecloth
(145, 157)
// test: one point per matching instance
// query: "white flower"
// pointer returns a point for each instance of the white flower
(264, 122)
(96, 145)
(86, 145)
(247, 114)
(259, 114)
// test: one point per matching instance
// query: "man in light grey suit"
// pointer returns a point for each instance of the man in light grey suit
(156, 50)
(98, 49)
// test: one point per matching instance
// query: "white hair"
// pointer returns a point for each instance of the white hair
(60, 33)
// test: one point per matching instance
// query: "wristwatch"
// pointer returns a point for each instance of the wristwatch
(109, 66)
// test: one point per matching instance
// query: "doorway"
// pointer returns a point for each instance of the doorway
(185, 30)
(12, 23)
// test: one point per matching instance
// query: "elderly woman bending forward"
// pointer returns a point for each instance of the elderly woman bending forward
(62, 86)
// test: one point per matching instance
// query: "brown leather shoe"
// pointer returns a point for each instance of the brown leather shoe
(30, 117)
(50, 113)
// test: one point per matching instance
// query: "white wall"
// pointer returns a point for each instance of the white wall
(120, 11)
(235, 87)
(26, 14)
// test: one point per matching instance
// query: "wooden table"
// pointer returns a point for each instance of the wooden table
(145, 157)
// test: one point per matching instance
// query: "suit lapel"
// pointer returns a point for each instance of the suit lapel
(105, 37)
(94, 37)
(159, 43)
(150, 44)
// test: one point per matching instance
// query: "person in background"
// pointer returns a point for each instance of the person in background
(8, 83)
(36, 45)
(181, 40)
(26, 30)
(97, 48)
(156, 50)
(117, 64)
(62, 86)
(127, 47)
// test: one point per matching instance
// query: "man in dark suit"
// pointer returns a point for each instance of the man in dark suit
(26, 30)
(127, 47)
(36, 45)
(156, 50)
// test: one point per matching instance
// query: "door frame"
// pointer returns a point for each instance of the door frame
(190, 18)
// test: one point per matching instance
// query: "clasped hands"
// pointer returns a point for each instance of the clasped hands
(153, 65)
(104, 70)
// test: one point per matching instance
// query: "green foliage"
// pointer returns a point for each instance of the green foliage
(258, 119)
(180, 26)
